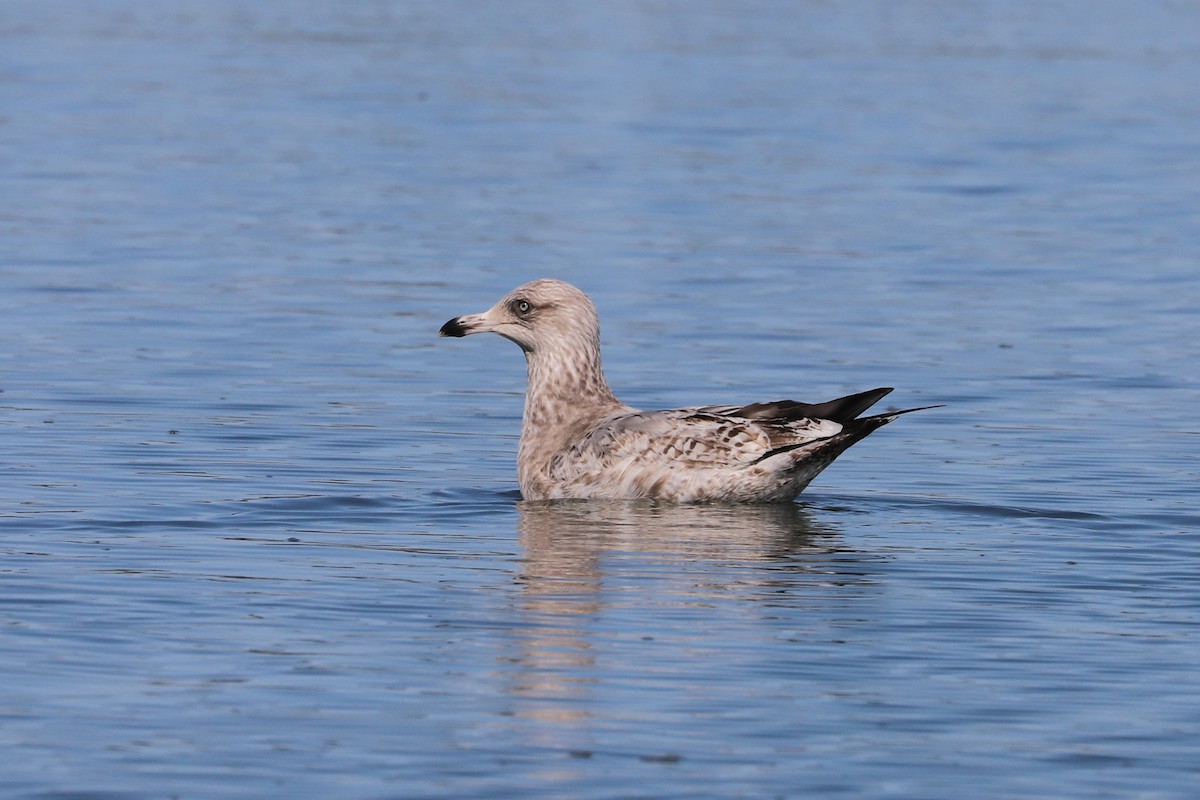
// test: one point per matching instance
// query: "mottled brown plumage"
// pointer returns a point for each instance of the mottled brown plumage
(579, 441)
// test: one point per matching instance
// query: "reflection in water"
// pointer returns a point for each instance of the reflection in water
(565, 542)
(604, 577)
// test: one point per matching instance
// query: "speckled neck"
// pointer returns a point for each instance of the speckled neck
(567, 392)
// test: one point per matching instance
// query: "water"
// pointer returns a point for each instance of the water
(260, 529)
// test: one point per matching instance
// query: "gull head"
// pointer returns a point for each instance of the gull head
(540, 316)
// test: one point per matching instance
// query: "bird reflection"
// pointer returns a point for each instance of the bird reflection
(564, 542)
(595, 574)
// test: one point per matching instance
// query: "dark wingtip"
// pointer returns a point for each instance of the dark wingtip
(453, 328)
(911, 410)
(888, 416)
(842, 410)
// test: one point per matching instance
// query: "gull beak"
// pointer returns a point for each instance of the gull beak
(466, 325)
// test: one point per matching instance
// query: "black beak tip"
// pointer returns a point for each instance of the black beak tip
(453, 328)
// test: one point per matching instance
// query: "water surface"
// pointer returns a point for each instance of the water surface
(259, 527)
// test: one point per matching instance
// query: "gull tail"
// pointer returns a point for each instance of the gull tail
(809, 460)
(824, 451)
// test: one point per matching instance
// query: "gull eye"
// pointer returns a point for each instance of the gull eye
(522, 307)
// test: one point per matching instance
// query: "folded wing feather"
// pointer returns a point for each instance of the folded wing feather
(698, 436)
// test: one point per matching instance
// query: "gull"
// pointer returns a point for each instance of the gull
(578, 441)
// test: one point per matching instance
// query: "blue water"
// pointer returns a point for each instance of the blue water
(259, 528)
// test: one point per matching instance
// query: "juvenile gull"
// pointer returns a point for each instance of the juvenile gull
(579, 441)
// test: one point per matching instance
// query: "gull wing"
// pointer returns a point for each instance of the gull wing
(696, 436)
(841, 410)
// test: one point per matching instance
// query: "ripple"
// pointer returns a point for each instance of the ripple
(259, 534)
